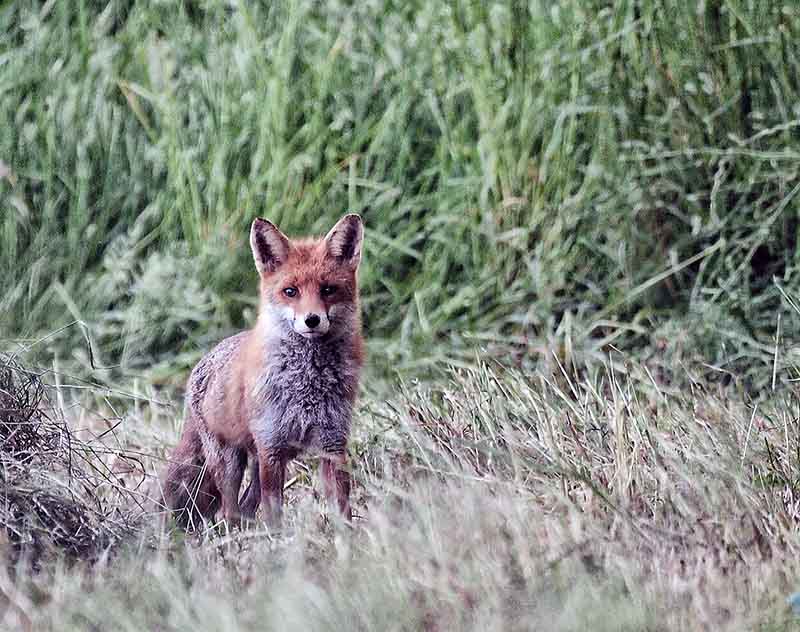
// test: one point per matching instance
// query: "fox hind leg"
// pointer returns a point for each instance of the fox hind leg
(189, 489)
(191, 493)
(205, 499)
(251, 498)
(226, 465)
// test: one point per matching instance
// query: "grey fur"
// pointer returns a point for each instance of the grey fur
(307, 395)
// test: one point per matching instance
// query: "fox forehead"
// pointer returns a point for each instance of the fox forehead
(307, 264)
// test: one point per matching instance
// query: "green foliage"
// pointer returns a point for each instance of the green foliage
(533, 175)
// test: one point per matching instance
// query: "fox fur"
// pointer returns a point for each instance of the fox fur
(283, 388)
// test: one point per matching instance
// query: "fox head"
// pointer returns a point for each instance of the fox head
(309, 286)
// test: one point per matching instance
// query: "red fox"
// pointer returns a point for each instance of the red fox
(285, 387)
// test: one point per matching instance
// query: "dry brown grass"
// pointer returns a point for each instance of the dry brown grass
(57, 492)
(494, 500)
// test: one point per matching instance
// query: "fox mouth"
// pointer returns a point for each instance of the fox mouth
(311, 335)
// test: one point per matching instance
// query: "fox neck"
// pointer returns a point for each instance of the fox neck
(293, 364)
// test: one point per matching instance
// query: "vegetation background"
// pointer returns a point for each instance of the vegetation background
(580, 294)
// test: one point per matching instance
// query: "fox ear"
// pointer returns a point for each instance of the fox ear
(270, 246)
(344, 240)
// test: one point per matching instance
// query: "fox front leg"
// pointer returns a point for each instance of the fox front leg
(336, 482)
(271, 474)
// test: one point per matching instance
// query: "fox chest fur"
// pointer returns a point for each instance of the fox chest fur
(292, 395)
(303, 400)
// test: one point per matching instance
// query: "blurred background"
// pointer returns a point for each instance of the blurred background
(539, 180)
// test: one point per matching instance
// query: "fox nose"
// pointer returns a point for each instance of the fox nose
(312, 320)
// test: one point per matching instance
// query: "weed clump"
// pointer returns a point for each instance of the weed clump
(57, 495)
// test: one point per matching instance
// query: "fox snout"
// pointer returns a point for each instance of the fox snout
(311, 324)
(304, 309)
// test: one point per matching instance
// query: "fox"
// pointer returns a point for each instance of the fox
(283, 388)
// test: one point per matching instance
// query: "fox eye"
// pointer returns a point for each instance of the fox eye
(291, 292)
(328, 290)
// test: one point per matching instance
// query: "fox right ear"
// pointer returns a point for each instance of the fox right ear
(269, 245)
(344, 240)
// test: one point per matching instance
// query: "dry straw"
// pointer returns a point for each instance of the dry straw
(56, 489)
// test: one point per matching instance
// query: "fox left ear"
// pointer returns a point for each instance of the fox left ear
(344, 240)
(269, 245)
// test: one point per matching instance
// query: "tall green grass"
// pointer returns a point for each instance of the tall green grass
(535, 177)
